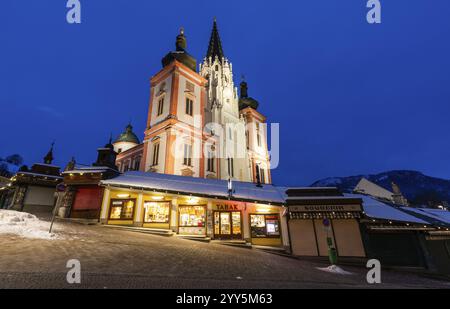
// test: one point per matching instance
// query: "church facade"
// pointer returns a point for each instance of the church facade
(198, 123)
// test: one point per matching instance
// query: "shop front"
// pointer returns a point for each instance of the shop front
(227, 220)
(147, 201)
(313, 227)
(265, 225)
(192, 220)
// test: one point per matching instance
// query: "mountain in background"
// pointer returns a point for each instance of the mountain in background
(418, 188)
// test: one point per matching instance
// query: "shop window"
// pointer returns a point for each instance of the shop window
(122, 209)
(265, 225)
(156, 212)
(192, 216)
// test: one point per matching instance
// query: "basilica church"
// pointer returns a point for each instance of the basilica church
(198, 123)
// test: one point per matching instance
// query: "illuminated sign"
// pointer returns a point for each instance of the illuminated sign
(313, 208)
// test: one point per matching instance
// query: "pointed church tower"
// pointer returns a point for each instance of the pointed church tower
(222, 109)
(48, 159)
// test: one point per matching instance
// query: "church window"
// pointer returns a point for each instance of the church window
(230, 167)
(258, 135)
(262, 175)
(155, 154)
(189, 106)
(187, 155)
(217, 68)
(210, 162)
(189, 86)
(160, 106)
(162, 87)
(137, 163)
(247, 141)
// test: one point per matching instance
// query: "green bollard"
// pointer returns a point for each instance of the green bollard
(332, 254)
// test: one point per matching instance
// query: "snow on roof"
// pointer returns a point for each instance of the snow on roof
(83, 171)
(39, 175)
(201, 186)
(437, 214)
(82, 167)
(379, 210)
(88, 169)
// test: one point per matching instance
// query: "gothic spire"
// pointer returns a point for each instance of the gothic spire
(215, 45)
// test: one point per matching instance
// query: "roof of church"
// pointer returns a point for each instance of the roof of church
(128, 136)
(215, 45)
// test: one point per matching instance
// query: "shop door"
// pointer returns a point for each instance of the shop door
(227, 225)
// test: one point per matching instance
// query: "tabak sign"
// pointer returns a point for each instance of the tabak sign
(227, 206)
(314, 208)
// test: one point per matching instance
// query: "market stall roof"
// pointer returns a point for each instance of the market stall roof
(379, 210)
(197, 186)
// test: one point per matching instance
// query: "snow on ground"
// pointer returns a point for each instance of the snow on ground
(335, 270)
(24, 224)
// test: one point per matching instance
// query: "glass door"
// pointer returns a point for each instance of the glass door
(236, 218)
(227, 224)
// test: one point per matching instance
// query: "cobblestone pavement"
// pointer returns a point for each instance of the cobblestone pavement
(113, 258)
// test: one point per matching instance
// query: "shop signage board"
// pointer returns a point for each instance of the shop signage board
(316, 208)
(227, 207)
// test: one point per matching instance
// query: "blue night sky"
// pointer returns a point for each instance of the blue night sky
(351, 98)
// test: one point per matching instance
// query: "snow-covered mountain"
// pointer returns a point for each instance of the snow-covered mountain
(418, 188)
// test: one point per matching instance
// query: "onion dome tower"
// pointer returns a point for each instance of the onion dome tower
(244, 99)
(180, 54)
(126, 140)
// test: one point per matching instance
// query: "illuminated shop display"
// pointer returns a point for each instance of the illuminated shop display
(227, 224)
(156, 212)
(192, 220)
(122, 209)
(267, 225)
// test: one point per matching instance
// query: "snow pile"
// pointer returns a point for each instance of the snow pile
(24, 224)
(335, 270)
